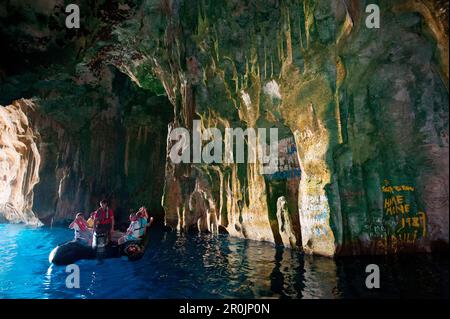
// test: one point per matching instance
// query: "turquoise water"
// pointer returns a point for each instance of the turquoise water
(204, 266)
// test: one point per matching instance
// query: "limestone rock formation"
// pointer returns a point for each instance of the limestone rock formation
(19, 164)
(367, 108)
(284, 223)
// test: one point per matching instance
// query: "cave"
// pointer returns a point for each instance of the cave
(362, 116)
(66, 152)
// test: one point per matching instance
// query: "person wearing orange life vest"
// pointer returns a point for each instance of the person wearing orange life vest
(90, 221)
(82, 233)
(104, 219)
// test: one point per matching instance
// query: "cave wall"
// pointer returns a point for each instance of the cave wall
(19, 164)
(393, 108)
(368, 109)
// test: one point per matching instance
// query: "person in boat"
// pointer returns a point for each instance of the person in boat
(83, 234)
(144, 217)
(143, 212)
(90, 221)
(104, 219)
(136, 229)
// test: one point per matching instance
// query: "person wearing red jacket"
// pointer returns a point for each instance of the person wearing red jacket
(104, 219)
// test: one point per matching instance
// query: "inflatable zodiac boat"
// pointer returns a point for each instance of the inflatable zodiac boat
(72, 251)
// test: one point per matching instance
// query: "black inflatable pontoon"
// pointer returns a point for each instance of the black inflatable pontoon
(72, 251)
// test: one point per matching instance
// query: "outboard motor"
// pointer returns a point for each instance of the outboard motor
(133, 250)
(100, 242)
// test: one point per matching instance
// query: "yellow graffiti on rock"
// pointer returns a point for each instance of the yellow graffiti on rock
(399, 188)
(411, 223)
(416, 223)
(396, 205)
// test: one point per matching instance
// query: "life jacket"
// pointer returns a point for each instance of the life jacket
(82, 226)
(144, 213)
(138, 228)
(90, 222)
(104, 217)
(142, 226)
(81, 231)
